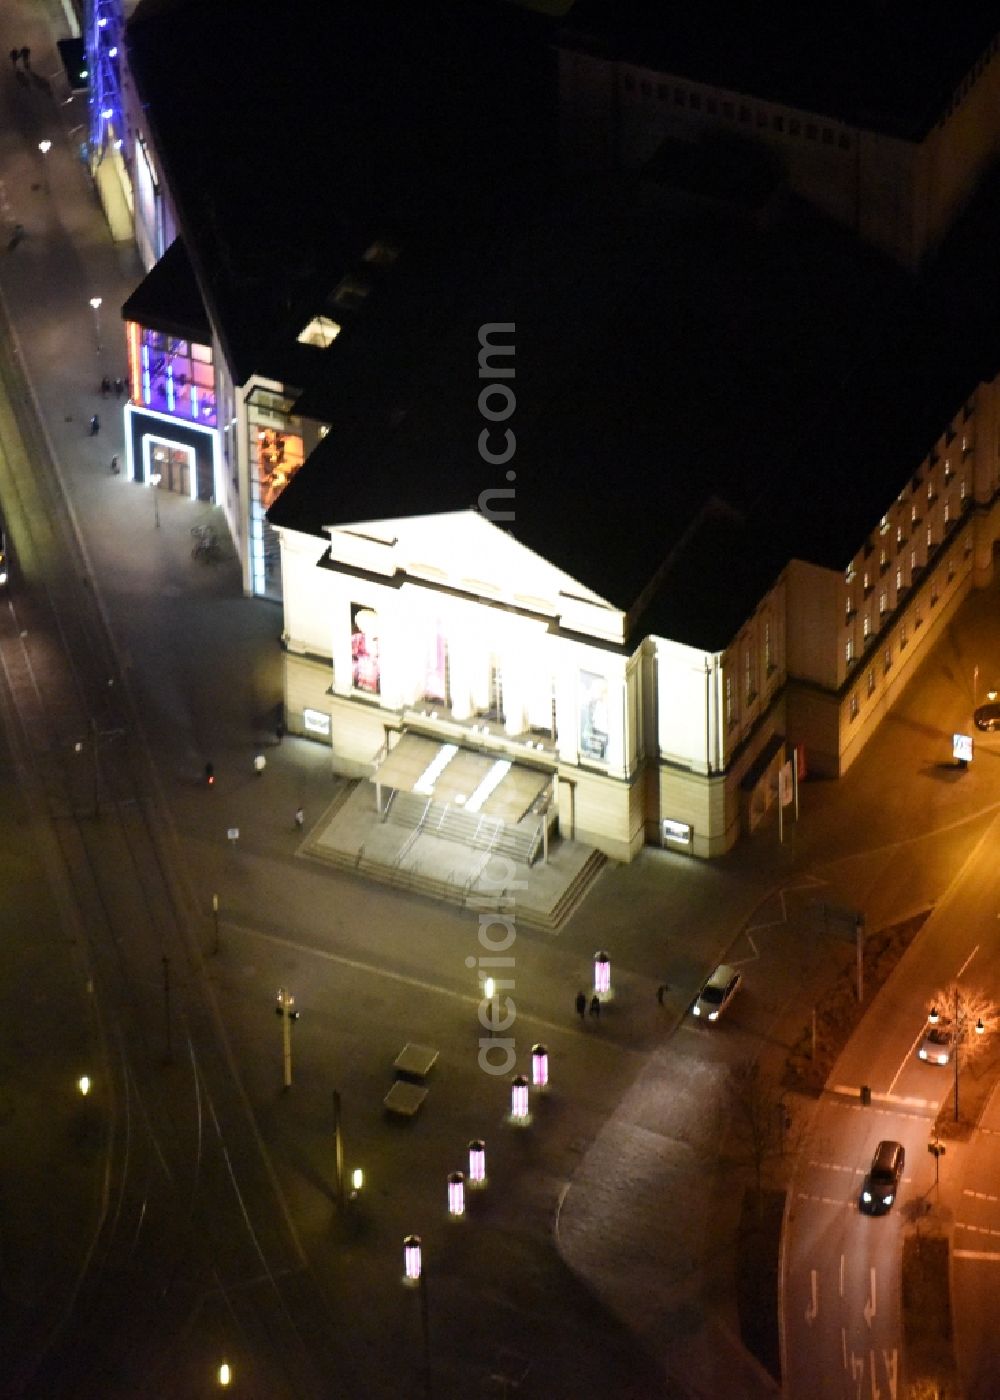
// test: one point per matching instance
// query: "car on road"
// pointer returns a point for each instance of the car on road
(717, 993)
(882, 1182)
(988, 716)
(935, 1047)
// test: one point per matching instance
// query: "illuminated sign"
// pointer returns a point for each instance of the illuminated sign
(676, 831)
(316, 722)
(961, 747)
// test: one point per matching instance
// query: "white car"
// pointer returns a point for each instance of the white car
(717, 993)
(935, 1047)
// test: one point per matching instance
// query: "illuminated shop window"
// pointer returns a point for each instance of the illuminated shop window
(278, 457)
(171, 376)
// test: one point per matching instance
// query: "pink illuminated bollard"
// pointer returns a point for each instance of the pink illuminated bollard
(519, 1099)
(602, 975)
(539, 1067)
(412, 1258)
(477, 1162)
(456, 1194)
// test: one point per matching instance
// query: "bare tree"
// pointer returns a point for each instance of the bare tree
(759, 1118)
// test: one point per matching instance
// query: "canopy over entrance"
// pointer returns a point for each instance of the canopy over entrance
(489, 784)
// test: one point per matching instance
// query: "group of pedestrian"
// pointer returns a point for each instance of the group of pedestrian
(581, 1005)
(24, 55)
(106, 387)
(595, 1002)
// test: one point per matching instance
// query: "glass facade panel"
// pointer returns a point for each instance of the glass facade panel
(171, 376)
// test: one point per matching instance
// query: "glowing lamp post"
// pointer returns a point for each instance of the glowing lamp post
(45, 146)
(357, 1183)
(83, 1084)
(95, 306)
(412, 1259)
(456, 1194)
(224, 1375)
(519, 1100)
(477, 1162)
(602, 976)
(539, 1067)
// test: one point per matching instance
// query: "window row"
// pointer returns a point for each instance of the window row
(849, 652)
(740, 112)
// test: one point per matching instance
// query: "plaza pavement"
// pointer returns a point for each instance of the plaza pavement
(637, 1212)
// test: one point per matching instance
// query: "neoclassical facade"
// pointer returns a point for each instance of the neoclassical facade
(446, 626)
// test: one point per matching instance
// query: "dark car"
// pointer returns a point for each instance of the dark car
(988, 716)
(882, 1182)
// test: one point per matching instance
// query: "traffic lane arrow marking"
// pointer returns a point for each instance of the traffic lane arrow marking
(812, 1311)
(869, 1308)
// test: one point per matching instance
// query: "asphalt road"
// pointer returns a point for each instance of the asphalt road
(842, 1268)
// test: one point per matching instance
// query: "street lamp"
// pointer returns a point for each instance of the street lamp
(154, 480)
(83, 1084)
(958, 1034)
(95, 306)
(285, 1008)
(224, 1375)
(45, 147)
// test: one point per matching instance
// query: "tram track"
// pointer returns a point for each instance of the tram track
(190, 1210)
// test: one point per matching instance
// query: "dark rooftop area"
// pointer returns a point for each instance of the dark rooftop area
(886, 65)
(168, 298)
(666, 355)
(350, 123)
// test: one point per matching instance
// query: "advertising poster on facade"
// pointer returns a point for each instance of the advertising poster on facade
(365, 674)
(436, 668)
(593, 716)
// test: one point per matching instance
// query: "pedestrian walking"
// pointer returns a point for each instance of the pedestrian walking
(595, 1006)
(581, 1005)
(119, 388)
(95, 425)
(661, 992)
(105, 387)
(26, 57)
(114, 465)
(15, 54)
(300, 818)
(279, 731)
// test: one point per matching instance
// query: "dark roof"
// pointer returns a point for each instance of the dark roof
(664, 359)
(884, 65)
(168, 298)
(294, 136)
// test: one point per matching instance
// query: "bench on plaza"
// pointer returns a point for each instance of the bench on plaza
(414, 1062)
